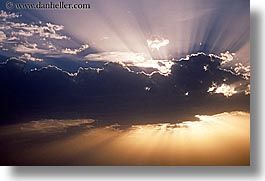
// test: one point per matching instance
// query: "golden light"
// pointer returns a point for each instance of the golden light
(222, 139)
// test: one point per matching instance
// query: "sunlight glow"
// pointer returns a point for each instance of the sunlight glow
(226, 90)
(128, 59)
(221, 139)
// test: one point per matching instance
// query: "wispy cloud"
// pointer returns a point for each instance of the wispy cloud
(4, 15)
(30, 48)
(2, 36)
(75, 51)
(32, 38)
(52, 125)
(29, 57)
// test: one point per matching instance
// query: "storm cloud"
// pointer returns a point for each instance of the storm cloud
(115, 94)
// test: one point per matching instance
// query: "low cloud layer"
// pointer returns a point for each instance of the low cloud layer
(221, 139)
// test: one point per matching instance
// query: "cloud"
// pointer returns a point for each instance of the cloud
(247, 90)
(29, 57)
(157, 42)
(50, 125)
(75, 51)
(131, 59)
(229, 90)
(30, 48)
(30, 37)
(13, 39)
(117, 57)
(47, 30)
(50, 31)
(2, 36)
(4, 15)
(59, 142)
(117, 95)
(226, 57)
(243, 70)
(226, 90)
(22, 33)
(229, 62)
(164, 126)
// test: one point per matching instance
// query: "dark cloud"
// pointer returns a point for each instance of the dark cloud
(116, 95)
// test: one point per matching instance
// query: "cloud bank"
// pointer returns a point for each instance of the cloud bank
(114, 93)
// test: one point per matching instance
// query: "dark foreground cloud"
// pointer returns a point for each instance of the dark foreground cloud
(113, 94)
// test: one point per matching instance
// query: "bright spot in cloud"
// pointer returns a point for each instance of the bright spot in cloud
(247, 91)
(29, 57)
(225, 89)
(240, 69)
(205, 67)
(157, 42)
(226, 57)
(147, 88)
(130, 59)
(117, 57)
(75, 51)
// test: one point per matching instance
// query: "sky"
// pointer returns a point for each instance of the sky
(222, 139)
(124, 63)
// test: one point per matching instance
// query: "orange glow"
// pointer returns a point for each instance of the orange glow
(222, 139)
